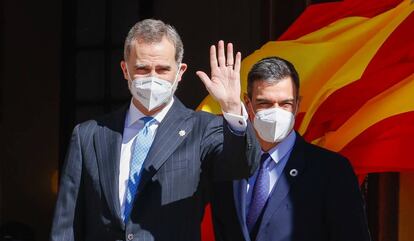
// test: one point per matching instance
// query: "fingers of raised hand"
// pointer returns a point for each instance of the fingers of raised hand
(204, 77)
(237, 64)
(213, 57)
(223, 57)
(230, 60)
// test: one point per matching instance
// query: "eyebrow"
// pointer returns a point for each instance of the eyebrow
(167, 67)
(260, 100)
(141, 66)
(289, 100)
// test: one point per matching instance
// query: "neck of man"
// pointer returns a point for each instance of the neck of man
(266, 146)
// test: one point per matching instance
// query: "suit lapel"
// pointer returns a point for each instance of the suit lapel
(285, 182)
(170, 133)
(108, 141)
(239, 195)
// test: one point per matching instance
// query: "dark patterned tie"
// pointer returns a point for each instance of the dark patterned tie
(260, 192)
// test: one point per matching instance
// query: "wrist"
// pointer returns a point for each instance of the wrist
(231, 107)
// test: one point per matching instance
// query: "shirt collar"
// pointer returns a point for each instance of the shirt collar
(134, 114)
(280, 150)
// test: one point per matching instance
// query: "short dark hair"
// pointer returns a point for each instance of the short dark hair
(272, 70)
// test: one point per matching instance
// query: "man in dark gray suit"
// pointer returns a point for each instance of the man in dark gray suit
(144, 172)
(300, 192)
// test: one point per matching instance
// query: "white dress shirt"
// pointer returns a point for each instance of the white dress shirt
(238, 124)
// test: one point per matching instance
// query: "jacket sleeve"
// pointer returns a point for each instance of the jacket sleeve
(346, 216)
(67, 219)
(229, 155)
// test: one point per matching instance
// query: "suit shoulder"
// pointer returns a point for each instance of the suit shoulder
(328, 158)
(112, 119)
(87, 126)
(323, 152)
(331, 166)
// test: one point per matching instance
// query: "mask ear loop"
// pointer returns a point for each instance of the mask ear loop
(176, 76)
(126, 65)
(129, 75)
(249, 105)
(298, 99)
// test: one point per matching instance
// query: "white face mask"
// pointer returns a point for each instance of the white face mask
(151, 91)
(273, 125)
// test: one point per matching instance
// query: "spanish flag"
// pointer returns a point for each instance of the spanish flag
(355, 59)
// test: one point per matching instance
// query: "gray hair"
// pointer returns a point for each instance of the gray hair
(152, 31)
(272, 70)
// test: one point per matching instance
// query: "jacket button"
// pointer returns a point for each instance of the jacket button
(130, 236)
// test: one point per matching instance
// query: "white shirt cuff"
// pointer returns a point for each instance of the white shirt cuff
(237, 123)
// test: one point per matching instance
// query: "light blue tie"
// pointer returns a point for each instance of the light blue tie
(141, 146)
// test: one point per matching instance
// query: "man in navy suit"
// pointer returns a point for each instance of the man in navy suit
(144, 172)
(300, 192)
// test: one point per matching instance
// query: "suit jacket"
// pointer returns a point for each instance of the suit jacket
(175, 181)
(321, 203)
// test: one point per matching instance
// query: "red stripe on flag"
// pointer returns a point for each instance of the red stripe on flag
(386, 146)
(320, 15)
(393, 62)
(207, 231)
(298, 120)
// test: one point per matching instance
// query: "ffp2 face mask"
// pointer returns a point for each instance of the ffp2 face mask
(151, 91)
(274, 124)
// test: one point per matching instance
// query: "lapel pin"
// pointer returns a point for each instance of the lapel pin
(293, 172)
(181, 133)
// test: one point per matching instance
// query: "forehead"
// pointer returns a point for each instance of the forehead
(283, 88)
(152, 53)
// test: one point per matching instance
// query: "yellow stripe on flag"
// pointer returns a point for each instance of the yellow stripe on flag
(355, 66)
(396, 100)
(327, 59)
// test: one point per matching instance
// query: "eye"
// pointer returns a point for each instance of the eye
(163, 70)
(264, 105)
(142, 70)
(286, 105)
